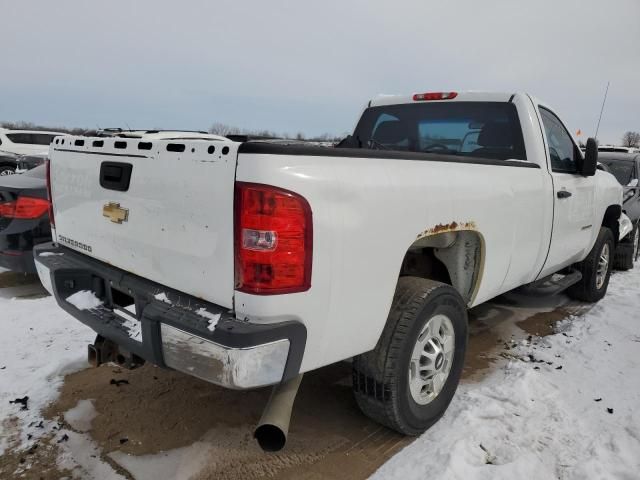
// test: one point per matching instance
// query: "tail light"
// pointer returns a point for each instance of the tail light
(51, 217)
(24, 208)
(273, 240)
(434, 96)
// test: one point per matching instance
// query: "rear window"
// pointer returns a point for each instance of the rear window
(475, 129)
(31, 138)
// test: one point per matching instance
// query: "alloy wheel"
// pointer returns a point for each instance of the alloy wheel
(603, 266)
(431, 359)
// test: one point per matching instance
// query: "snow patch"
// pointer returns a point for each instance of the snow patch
(183, 462)
(131, 323)
(81, 416)
(548, 417)
(39, 345)
(213, 318)
(81, 455)
(163, 298)
(84, 300)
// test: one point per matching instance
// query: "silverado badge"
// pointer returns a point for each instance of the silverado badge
(114, 212)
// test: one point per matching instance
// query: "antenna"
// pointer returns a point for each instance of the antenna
(602, 109)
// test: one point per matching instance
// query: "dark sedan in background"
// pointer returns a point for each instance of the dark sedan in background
(626, 168)
(24, 218)
(8, 163)
(28, 162)
(11, 163)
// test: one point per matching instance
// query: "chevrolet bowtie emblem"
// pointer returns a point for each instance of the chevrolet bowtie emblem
(114, 212)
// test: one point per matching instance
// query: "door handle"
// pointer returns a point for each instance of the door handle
(564, 194)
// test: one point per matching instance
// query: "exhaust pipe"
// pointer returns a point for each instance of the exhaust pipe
(273, 428)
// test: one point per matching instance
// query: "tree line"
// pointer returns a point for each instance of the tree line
(223, 129)
(629, 139)
(216, 128)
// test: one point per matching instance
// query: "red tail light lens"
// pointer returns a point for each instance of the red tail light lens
(418, 97)
(274, 240)
(24, 208)
(51, 218)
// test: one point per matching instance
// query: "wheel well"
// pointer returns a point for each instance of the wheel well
(610, 220)
(454, 258)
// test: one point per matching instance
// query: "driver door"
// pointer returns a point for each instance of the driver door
(573, 197)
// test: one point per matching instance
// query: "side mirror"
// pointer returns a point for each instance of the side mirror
(590, 158)
(633, 183)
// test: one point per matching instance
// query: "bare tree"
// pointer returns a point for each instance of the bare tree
(223, 129)
(32, 126)
(631, 139)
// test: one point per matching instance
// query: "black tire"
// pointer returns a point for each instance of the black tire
(587, 289)
(7, 170)
(381, 376)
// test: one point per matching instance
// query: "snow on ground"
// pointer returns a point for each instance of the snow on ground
(185, 462)
(81, 416)
(565, 407)
(81, 455)
(575, 418)
(39, 345)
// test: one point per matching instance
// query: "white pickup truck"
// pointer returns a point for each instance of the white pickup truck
(248, 264)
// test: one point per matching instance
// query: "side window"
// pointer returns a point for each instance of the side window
(561, 147)
(390, 132)
(24, 138)
(41, 138)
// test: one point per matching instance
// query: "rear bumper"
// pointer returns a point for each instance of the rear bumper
(174, 329)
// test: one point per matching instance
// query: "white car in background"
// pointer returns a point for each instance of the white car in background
(26, 142)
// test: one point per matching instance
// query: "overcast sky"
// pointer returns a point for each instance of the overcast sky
(306, 66)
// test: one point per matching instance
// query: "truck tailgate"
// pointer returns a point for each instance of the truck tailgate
(171, 223)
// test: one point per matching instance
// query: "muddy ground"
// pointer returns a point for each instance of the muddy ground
(150, 411)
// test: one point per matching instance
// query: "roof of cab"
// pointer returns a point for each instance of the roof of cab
(467, 96)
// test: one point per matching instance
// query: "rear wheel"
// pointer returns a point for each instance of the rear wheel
(6, 170)
(409, 379)
(595, 269)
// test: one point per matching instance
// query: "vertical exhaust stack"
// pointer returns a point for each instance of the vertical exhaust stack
(273, 428)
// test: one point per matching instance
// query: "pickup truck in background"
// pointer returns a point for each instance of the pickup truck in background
(626, 168)
(249, 264)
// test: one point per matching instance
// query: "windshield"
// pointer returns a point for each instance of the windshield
(623, 171)
(477, 129)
